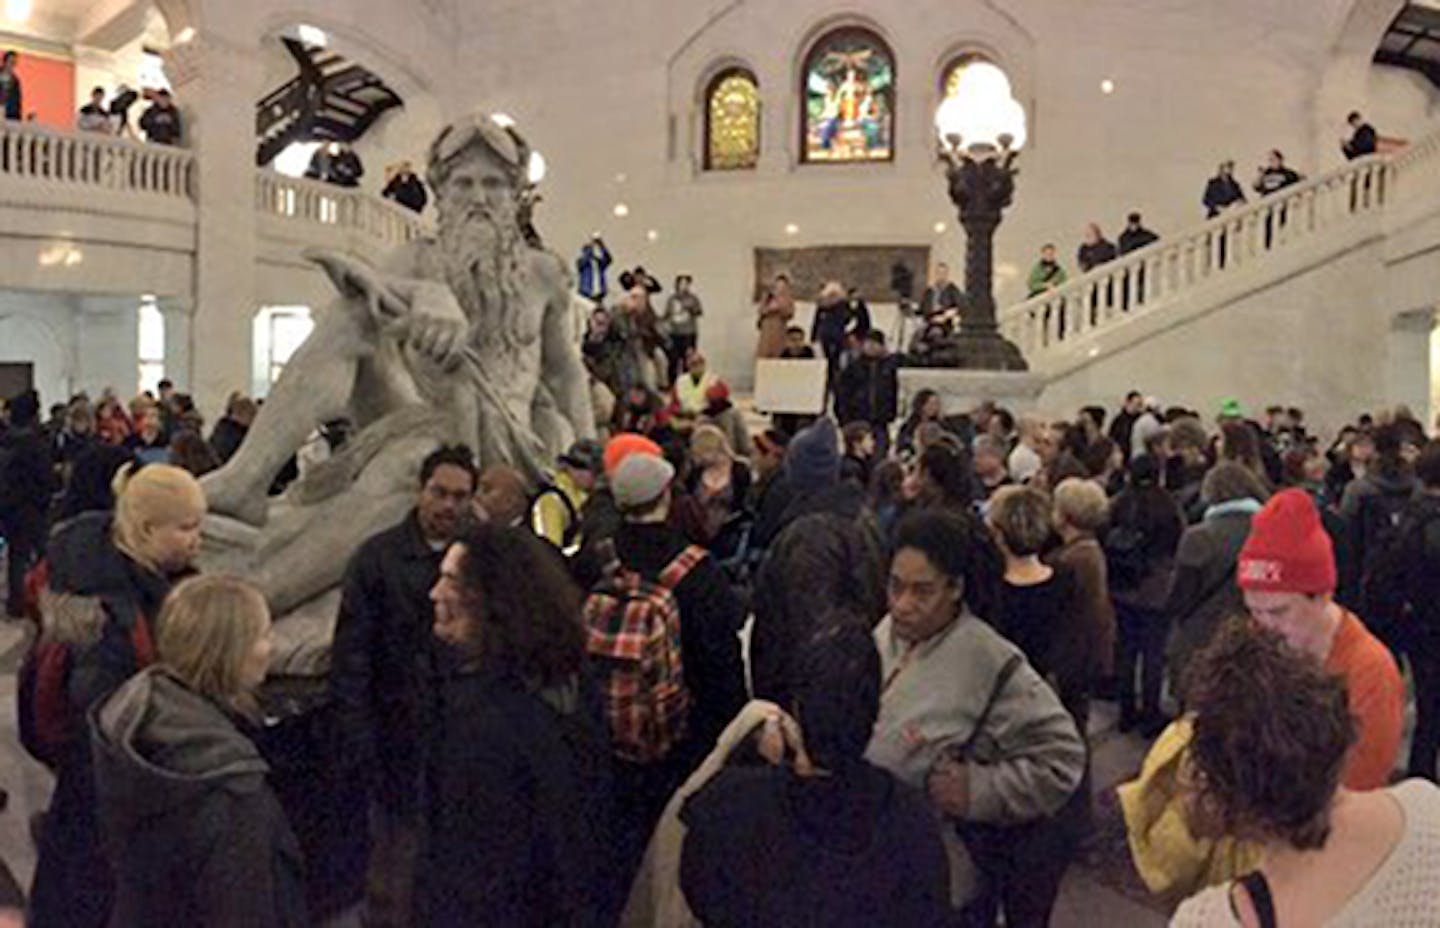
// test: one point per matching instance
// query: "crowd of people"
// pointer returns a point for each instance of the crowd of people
(547, 697)
(161, 122)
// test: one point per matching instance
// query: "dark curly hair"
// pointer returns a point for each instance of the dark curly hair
(1272, 730)
(527, 607)
(960, 548)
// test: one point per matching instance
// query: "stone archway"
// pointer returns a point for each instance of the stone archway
(1343, 79)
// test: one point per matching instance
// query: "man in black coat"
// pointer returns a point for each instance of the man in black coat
(1363, 140)
(868, 390)
(1124, 422)
(1222, 191)
(26, 481)
(382, 673)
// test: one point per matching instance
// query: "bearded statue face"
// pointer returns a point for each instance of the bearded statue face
(481, 239)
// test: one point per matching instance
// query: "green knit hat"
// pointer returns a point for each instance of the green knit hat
(1230, 408)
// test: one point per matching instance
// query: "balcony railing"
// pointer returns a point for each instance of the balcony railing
(317, 205)
(36, 154)
(39, 165)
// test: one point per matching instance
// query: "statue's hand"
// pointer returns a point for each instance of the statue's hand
(435, 326)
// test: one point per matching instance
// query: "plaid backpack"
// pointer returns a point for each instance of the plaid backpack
(633, 628)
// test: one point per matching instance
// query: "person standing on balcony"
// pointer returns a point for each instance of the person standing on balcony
(1275, 175)
(161, 122)
(1222, 191)
(345, 167)
(1095, 250)
(1363, 140)
(1135, 237)
(10, 86)
(1047, 274)
(406, 188)
(94, 117)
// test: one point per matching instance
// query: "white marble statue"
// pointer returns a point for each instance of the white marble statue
(464, 337)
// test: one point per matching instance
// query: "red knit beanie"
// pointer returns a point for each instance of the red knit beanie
(625, 444)
(1288, 550)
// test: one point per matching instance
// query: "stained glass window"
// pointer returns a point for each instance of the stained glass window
(732, 121)
(849, 99)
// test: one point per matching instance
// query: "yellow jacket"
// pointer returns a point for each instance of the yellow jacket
(1173, 862)
(551, 517)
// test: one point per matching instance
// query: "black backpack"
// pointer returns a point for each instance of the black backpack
(1382, 531)
(1126, 558)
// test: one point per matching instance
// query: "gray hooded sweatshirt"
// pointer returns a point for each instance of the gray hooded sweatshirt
(192, 829)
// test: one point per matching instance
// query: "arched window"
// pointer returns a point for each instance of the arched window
(732, 121)
(950, 77)
(848, 99)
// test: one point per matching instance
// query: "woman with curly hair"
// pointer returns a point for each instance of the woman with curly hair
(1271, 734)
(518, 785)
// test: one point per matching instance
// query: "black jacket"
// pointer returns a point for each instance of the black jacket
(27, 478)
(710, 619)
(1363, 142)
(382, 661)
(1221, 191)
(85, 562)
(161, 124)
(1136, 238)
(1275, 179)
(194, 833)
(407, 190)
(765, 847)
(831, 320)
(868, 390)
(517, 807)
(227, 437)
(1093, 254)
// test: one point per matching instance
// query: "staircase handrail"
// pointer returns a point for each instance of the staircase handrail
(1224, 244)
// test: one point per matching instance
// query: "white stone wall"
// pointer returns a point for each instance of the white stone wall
(609, 95)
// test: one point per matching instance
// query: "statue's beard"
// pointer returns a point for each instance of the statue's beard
(483, 266)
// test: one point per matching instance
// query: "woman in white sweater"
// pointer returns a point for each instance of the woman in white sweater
(965, 717)
(1271, 733)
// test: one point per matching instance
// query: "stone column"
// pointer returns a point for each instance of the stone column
(216, 83)
(108, 345)
(178, 339)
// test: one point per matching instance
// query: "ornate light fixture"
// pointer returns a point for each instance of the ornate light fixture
(981, 129)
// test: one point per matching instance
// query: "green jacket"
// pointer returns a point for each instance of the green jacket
(1045, 275)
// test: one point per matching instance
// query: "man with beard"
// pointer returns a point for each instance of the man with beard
(383, 668)
(466, 336)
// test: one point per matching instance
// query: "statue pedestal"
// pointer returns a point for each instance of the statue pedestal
(962, 390)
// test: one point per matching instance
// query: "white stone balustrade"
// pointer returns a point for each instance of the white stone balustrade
(318, 205)
(1152, 278)
(36, 154)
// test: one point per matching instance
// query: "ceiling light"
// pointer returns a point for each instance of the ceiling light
(18, 10)
(621, 210)
(1107, 86)
(792, 229)
(311, 35)
(503, 120)
(652, 235)
(939, 228)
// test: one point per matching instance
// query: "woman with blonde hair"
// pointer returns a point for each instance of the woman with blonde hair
(718, 480)
(109, 575)
(195, 833)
